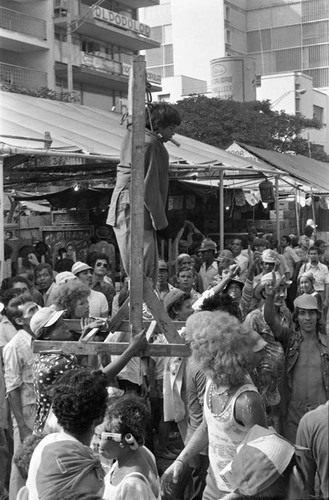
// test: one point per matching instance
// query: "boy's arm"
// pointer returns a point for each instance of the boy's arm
(270, 316)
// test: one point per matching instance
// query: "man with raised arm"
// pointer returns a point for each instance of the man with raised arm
(306, 371)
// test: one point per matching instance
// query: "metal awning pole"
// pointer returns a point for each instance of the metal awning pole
(277, 208)
(221, 211)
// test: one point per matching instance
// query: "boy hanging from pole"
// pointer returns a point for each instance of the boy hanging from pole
(161, 121)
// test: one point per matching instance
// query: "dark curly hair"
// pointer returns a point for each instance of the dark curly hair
(68, 294)
(161, 114)
(79, 397)
(129, 414)
(222, 302)
(93, 257)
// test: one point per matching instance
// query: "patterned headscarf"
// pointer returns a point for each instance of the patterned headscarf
(48, 366)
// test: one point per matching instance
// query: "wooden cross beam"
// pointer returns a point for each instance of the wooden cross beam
(140, 289)
(115, 348)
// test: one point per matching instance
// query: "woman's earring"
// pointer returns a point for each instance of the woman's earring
(122, 445)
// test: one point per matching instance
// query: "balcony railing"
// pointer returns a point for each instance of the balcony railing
(21, 23)
(22, 77)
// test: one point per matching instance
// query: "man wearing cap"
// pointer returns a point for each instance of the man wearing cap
(306, 371)
(269, 263)
(209, 267)
(98, 306)
(321, 277)
(18, 360)
(163, 287)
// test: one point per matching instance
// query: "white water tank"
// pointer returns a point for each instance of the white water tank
(234, 78)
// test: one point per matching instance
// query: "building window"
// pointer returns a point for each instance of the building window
(168, 54)
(167, 34)
(156, 33)
(318, 113)
(168, 71)
(91, 47)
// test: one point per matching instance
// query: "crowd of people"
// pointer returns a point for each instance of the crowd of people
(245, 415)
(254, 316)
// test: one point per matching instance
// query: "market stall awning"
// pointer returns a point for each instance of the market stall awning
(75, 128)
(314, 173)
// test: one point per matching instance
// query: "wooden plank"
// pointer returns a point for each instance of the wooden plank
(137, 194)
(121, 315)
(115, 348)
(125, 326)
(150, 330)
(160, 315)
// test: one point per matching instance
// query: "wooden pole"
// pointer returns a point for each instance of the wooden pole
(313, 211)
(221, 211)
(137, 194)
(297, 211)
(277, 208)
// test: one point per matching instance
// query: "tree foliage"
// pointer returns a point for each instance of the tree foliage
(220, 122)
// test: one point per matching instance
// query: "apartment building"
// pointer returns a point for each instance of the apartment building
(84, 46)
(287, 39)
(282, 35)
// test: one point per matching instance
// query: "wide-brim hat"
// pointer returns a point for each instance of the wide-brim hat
(261, 459)
(64, 277)
(44, 317)
(236, 280)
(207, 245)
(79, 266)
(267, 278)
(224, 254)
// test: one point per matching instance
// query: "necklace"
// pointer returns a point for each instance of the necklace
(223, 403)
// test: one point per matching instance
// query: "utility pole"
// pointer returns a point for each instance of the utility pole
(69, 51)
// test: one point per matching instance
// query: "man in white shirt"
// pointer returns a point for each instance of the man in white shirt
(98, 306)
(321, 275)
(209, 267)
(18, 360)
(239, 258)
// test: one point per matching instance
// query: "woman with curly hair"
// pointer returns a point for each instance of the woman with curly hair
(63, 461)
(134, 474)
(232, 404)
(73, 298)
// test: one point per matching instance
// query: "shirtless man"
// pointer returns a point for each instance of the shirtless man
(306, 372)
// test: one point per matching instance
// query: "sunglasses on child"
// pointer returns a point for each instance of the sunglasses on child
(107, 436)
(101, 264)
